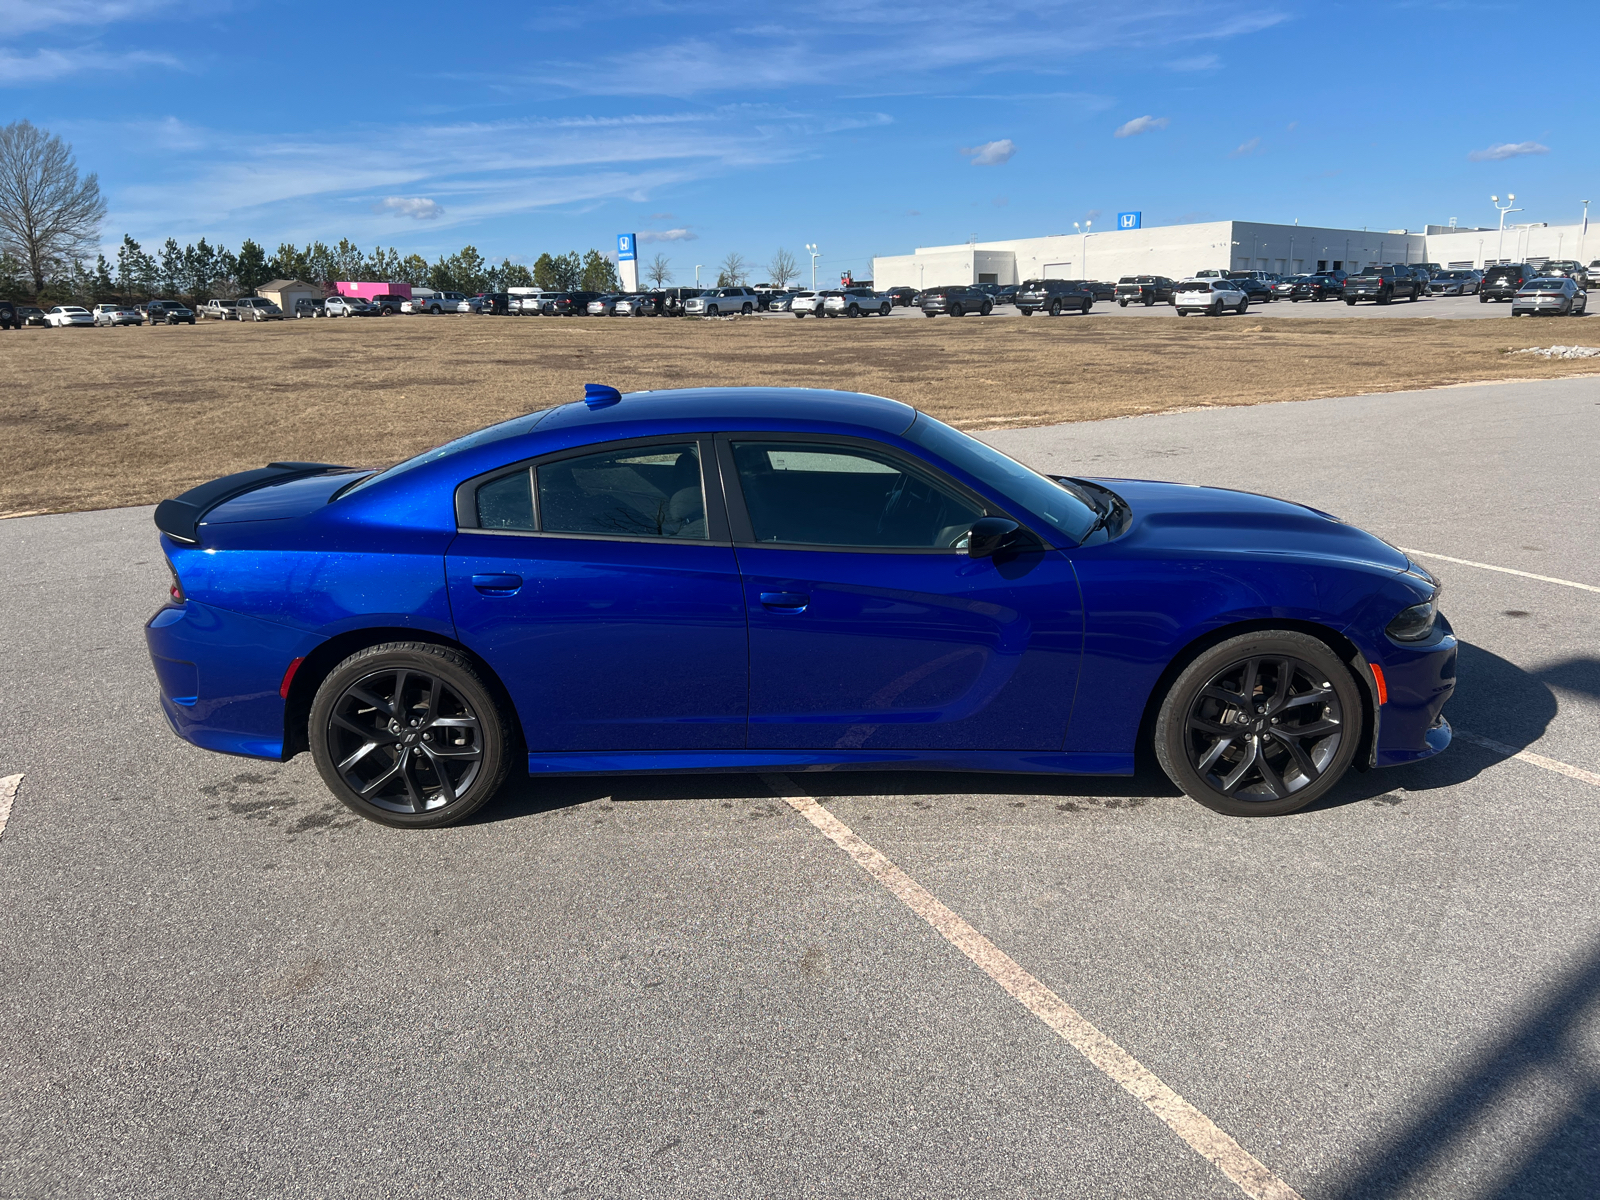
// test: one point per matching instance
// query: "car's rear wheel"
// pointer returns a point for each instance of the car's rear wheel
(408, 734)
(930, 315)
(853, 311)
(1055, 308)
(955, 310)
(746, 309)
(1261, 724)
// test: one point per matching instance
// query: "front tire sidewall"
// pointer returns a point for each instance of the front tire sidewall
(461, 675)
(1172, 722)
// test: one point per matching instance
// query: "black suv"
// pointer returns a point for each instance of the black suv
(8, 316)
(569, 304)
(1316, 287)
(956, 300)
(1505, 281)
(902, 297)
(1144, 289)
(166, 312)
(1252, 285)
(1054, 296)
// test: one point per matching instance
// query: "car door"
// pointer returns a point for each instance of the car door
(600, 585)
(870, 626)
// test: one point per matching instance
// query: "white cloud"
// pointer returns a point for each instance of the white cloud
(1507, 150)
(43, 66)
(26, 16)
(417, 207)
(1245, 149)
(668, 235)
(1200, 62)
(663, 216)
(991, 154)
(1141, 125)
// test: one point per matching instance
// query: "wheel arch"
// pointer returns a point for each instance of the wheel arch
(319, 664)
(1348, 652)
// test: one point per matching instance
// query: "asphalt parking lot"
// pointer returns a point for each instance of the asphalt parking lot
(1453, 308)
(214, 980)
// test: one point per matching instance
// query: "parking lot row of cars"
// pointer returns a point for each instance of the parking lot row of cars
(1549, 287)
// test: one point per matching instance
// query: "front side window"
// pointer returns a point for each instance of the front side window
(641, 491)
(825, 494)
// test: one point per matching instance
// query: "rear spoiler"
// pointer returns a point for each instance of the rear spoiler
(180, 518)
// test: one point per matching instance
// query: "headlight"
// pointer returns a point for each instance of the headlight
(1414, 624)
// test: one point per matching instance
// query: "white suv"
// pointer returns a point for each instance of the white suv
(1211, 296)
(856, 302)
(806, 302)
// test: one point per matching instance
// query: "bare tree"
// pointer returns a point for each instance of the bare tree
(782, 268)
(49, 216)
(659, 272)
(734, 270)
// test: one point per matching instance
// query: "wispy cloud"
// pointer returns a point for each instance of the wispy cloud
(990, 154)
(1141, 125)
(1245, 149)
(418, 208)
(668, 235)
(1507, 150)
(44, 66)
(1198, 62)
(19, 17)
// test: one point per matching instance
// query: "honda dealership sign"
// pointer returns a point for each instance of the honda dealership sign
(628, 261)
(1130, 220)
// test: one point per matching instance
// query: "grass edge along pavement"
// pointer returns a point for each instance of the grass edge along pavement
(116, 417)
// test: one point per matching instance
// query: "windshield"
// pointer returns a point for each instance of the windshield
(1043, 496)
(504, 429)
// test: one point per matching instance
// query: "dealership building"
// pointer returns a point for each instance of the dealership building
(1179, 251)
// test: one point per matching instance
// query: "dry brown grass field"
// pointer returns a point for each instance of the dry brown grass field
(98, 418)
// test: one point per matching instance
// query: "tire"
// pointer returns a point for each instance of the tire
(986, 309)
(1244, 306)
(1087, 305)
(746, 310)
(1412, 299)
(404, 786)
(1215, 310)
(955, 311)
(1482, 299)
(1193, 731)
(712, 311)
(799, 316)
(1385, 297)
(1055, 308)
(1351, 303)
(1149, 301)
(930, 315)
(1122, 304)
(1183, 312)
(883, 310)
(853, 311)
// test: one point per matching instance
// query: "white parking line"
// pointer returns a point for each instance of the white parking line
(1183, 1118)
(8, 793)
(1528, 756)
(1467, 562)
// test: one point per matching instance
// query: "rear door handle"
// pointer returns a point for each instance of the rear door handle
(785, 601)
(497, 585)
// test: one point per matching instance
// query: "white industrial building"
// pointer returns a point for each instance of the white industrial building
(1179, 251)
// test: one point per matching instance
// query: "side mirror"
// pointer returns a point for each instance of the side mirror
(990, 535)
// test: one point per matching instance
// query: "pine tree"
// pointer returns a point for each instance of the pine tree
(600, 273)
(250, 267)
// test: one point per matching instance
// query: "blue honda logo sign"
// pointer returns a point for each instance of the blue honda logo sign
(1132, 220)
(624, 247)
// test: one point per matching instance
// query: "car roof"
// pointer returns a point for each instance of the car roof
(733, 404)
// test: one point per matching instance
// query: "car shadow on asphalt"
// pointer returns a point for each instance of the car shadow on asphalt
(1494, 698)
(1541, 1052)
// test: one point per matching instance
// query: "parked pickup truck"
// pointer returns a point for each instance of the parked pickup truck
(1144, 289)
(220, 310)
(439, 302)
(1382, 284)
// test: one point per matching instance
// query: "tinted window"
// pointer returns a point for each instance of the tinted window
(818, 494)
(649, 491)
(506, 503)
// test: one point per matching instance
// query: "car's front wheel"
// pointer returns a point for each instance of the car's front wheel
(1261, 724)
(408, 734)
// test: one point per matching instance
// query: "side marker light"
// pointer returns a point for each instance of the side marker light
(288, 677)
(1377, 678)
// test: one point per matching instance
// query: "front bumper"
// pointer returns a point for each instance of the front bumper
(1411, 724)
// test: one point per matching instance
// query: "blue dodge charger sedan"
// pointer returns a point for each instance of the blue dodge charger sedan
(781, 579)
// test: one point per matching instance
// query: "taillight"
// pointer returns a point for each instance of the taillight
(176, 588)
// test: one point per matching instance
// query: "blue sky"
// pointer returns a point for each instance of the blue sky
(868, 128)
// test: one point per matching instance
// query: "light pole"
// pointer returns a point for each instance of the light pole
(697, 274)
(1511, 198)
(1084, 230)
(1583, 230)
(811, 249)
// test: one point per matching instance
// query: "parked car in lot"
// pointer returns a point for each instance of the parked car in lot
(1212, 296)
(1143, 289)
(306, 307)
(258, 308)
(803, 304)
(530, 304)
(721, 301)
(1557, 296)
(1054, 296)
(495, 304)
(902, 297)
(167, 312)
(220, 310)
(435, 305)
(349, 306)
(644, 304)
(604, 305)
(1566, 268)
(779, 302)
(1381, 284)
(388, 304)
(1316, 288)
(1505, 280)
(425, 630)
(1255, 284)
(9, 318)
(956, 300)
(1283, 289)
(568, 304)
(117, 314)
(856, 301)
(29, 314)
(1453, 283)
(63, 315)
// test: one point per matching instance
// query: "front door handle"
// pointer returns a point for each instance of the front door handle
(793, 602)
(496, 584)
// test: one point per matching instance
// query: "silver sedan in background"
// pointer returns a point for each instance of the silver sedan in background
(1558, 297)
(1454, 283)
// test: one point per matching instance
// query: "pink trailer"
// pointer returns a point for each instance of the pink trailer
(366, 291)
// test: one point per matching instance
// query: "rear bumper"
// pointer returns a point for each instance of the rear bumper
(219, 674)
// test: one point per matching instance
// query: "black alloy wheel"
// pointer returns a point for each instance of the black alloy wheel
(407, 734)
(986, 309)
(853, 311)
(1149, 300)
(1087, 305)
(746, 310)
(955, 310)
(883, 310)
(1261, 724)
(1055, 308)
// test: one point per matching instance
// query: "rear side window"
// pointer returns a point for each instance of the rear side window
(822, 494)
(640, 491)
